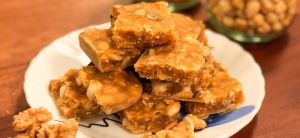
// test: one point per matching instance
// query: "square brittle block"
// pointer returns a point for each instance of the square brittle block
(226, 92)
(196, 92)
(181, 62)
(150, 114)
(142, 24)
(97, 44)
(71, 98)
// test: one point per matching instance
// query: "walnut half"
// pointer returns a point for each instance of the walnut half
(33, 123)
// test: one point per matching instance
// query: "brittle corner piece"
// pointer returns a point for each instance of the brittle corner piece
(227, 94)
(180, 63)
(142, 24)
(88, 92)
(98, 46)
(199, 91)
(112, 91)
(150, 114)
(70, 97)
(34, 123)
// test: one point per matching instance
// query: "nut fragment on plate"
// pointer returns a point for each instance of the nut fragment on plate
(181, 62)
(67, 129)
(97, 44)
(33, 123)
(142, 25)
(150, 114)
(71, 98)
(184, 129)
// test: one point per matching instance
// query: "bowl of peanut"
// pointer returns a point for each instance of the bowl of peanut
(251, 21)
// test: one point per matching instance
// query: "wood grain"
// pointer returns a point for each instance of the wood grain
(28, 26)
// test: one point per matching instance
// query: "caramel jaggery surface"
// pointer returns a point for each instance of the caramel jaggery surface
(187, 27)
(112, 91)
(71, 98)
(142, 25)
(150, 114)
(181, 62)
(98, 46)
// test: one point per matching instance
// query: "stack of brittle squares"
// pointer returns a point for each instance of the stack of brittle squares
(147, 67)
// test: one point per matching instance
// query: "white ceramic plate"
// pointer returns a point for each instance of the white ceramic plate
(65, 53)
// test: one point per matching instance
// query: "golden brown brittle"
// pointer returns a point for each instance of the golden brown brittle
(113, 91)
(142, 25)
(71, 98)
(187, 27)
(227, 94)
(180, 63)
(150, 114)
(97, 44)
(196, 92)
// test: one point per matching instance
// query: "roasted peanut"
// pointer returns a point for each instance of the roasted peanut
(93, 87)
(228, 21)
(252, 8)
(62, 90)
(173, 109)
(259, 19)
(239, 4)
(241, 24)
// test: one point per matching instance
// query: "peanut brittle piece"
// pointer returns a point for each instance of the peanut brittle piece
(180, 63)
(97, 44)
(113, 91)
(203, 110)
(34, 123)
(150, 114)
(184, 129)
(196, 92)
(71, 98)
(142, 24)
(227, 94)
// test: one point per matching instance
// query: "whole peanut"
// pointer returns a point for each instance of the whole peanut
(255, 16)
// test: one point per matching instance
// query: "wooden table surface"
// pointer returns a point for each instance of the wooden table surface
(27, 26)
